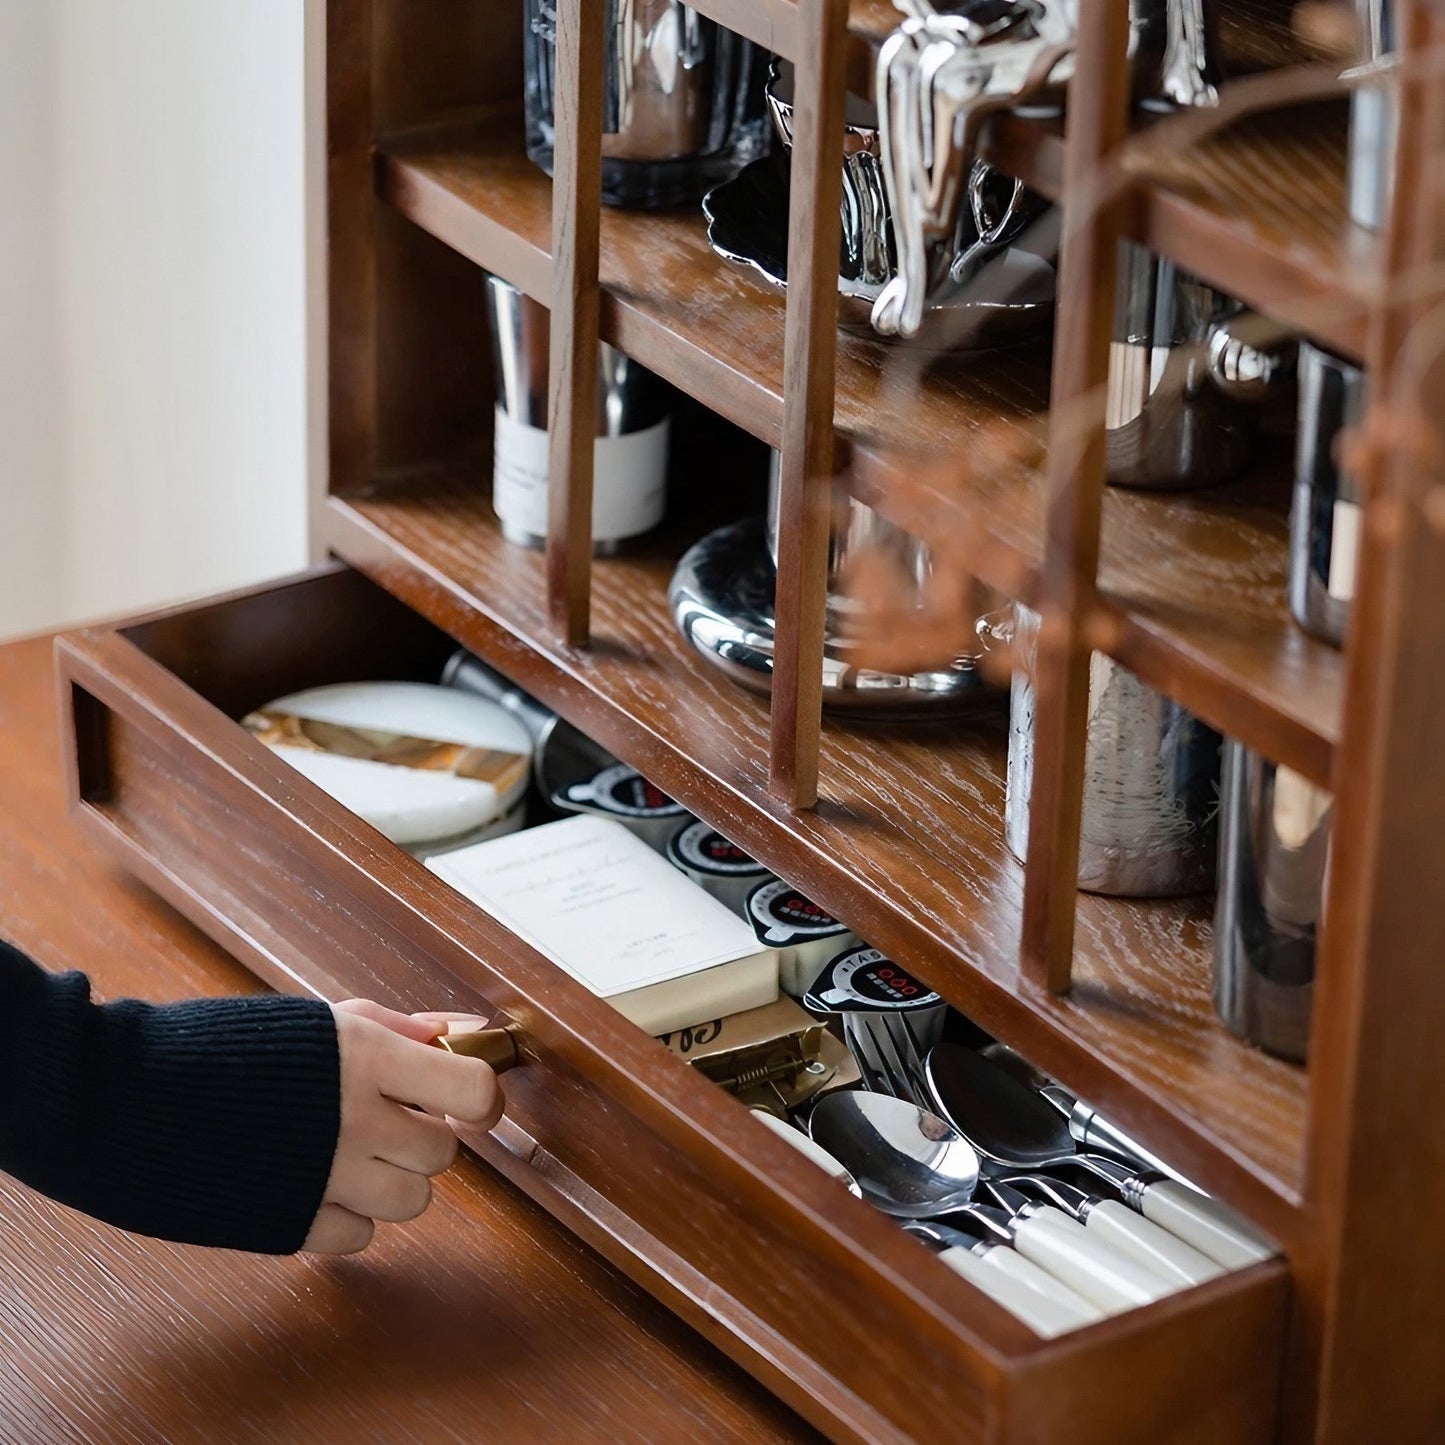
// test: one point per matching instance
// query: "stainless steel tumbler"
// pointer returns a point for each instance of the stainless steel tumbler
(1371, 163)
(1326, 517)
(630, 465)
(1151, 776)
(683, 100)
(1273, 858)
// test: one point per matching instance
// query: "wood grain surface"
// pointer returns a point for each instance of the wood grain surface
(711, 328)
(906, 845)
(1196, 579)
(669, 1177)
(482, 1320)
(1193, 585)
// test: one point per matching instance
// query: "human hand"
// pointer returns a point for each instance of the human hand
(396, 1094)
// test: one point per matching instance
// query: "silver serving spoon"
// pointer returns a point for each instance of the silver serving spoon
(1013, 1127)
(906, 1161)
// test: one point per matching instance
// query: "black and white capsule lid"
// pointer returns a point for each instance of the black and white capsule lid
(782, 916)
(621, 791)
(863, 980)
(701, 849)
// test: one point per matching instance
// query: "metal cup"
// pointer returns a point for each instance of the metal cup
(683, 107)
(1151, 774)
(1325, 521)
(1370, 169)
(1181, 373)
(1274, 850)
(856, 528)
(629, 488)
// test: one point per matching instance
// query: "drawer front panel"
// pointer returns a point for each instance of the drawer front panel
(823, 1299)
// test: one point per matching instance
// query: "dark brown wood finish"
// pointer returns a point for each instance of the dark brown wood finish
(483, 1318)
(746, 1240)
(1371, 1292)
(660, 1172)
(1195, 581)
(1074, 495)
(572, 389)
(809, 371)
(907, 845)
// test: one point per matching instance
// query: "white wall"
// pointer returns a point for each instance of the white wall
(31, 500)
(172, 201)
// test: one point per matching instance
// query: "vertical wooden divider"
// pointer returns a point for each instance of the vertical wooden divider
(1369, 1303)
(809, 365)
(576, 255)
(351, 289)
(1098, 121)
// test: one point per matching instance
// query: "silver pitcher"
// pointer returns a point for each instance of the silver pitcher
(1151, 781)
(1274, 849)
(629, 488)
(1183, 377)
(683, 102)
(938, 77)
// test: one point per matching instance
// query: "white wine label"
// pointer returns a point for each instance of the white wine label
(1344, 549)
(629, 482)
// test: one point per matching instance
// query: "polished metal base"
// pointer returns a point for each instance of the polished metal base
(723, 596)
(1010, 300)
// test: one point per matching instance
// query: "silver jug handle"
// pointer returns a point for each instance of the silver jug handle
(1249, 358)
(991, 230)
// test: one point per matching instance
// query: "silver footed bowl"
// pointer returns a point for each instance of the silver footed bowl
(723, 597)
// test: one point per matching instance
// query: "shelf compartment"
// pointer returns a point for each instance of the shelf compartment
(1193, 587)
(715, 333)
(641, 1155)
(702, 323)
(906, 845)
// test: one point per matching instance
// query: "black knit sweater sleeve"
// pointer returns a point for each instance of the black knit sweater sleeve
(209, 1122)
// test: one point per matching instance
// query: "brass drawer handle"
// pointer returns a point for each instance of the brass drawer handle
(497, 1047)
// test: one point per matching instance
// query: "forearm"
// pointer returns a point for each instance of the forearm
(210, 1122)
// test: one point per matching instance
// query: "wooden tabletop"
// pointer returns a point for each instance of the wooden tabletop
(481, 1321)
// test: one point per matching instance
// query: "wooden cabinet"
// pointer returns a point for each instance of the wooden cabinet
(899, 833)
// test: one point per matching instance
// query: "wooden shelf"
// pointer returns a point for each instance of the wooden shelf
(1257, 210)
(1195, 587)
(906, 846)
(1198, 579)
(704, 324)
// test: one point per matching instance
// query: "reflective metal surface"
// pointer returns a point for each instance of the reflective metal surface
(722, 598)
(1151, 776)
(1274, 855)
(989, 291)
(1371, 164)
(630, 401)
(1175, 50)
(938, 76)
(683, 100)
(1326, 519)
(1180, 375)
(907, 1161)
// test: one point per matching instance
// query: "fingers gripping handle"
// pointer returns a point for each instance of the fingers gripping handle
(497, 1047)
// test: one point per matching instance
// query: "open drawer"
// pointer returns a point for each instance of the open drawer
(827, 1302)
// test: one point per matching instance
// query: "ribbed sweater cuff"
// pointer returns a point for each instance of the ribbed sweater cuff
(208, 1122)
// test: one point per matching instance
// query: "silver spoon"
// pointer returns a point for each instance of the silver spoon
(1013, 1127)
(906, 1161)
